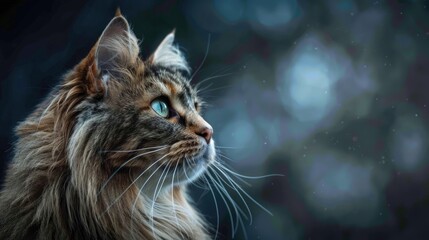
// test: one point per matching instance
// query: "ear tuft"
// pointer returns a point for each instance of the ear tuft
(117, 48)
(118, 12)
(168, 55)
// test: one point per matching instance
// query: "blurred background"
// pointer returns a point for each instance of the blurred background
(331, 94)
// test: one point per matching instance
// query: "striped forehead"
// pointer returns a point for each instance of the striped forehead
(177, 88)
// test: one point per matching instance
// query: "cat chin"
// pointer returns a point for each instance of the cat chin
(196, 166)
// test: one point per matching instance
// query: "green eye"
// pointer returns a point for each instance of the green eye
(160, 108)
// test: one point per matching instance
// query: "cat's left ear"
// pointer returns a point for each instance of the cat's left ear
(169, 55)
(116, 49)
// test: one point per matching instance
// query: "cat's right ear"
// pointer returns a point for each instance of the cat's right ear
(116, 49)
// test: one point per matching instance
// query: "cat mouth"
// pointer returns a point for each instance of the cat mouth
(190, 161)
(184, 163)
(187, 150)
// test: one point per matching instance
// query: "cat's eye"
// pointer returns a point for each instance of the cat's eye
(161, 108)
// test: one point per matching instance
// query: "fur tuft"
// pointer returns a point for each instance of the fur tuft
(168, 55)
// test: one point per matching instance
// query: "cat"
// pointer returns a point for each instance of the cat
(110, 152)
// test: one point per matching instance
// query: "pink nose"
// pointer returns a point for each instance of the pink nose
(206, 133)
(200, 127)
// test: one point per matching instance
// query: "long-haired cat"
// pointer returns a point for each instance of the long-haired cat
(109, 153)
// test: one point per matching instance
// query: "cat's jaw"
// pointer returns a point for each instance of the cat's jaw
(199, 164)
(177, 172)
(193, 168)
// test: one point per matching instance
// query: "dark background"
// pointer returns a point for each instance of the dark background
(332, 94)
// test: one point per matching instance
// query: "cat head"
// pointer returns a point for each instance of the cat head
(139, 116)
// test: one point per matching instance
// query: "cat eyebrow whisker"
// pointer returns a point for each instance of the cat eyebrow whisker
(212, 77)
(199, 90)
(215, 89)
(204, 59)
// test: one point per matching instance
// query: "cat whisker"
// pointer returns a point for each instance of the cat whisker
(222, 147)
(238, 192)
(220, 154)
(183, 225)
(135, 180)
(186, 162)
(216, 206)
(249, 177)
(223, 70)
(237, 208)
(147, 180)
(238, 211)
(221, 178)
(247, 195)
(134, 150)
(224, 200)
(204, 59)
(238, 178)
(156, 193)
(125, 163)
(205, 192)
(215, 89)
(141, 189)
(185, 172)
(212, 77)
(172, 197)
(204, 88)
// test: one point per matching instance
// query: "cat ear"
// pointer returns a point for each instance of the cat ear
(116, 49)
(168, 55)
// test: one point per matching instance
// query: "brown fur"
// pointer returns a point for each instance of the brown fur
(53, 187)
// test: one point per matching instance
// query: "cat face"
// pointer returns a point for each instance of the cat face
(144, 116)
